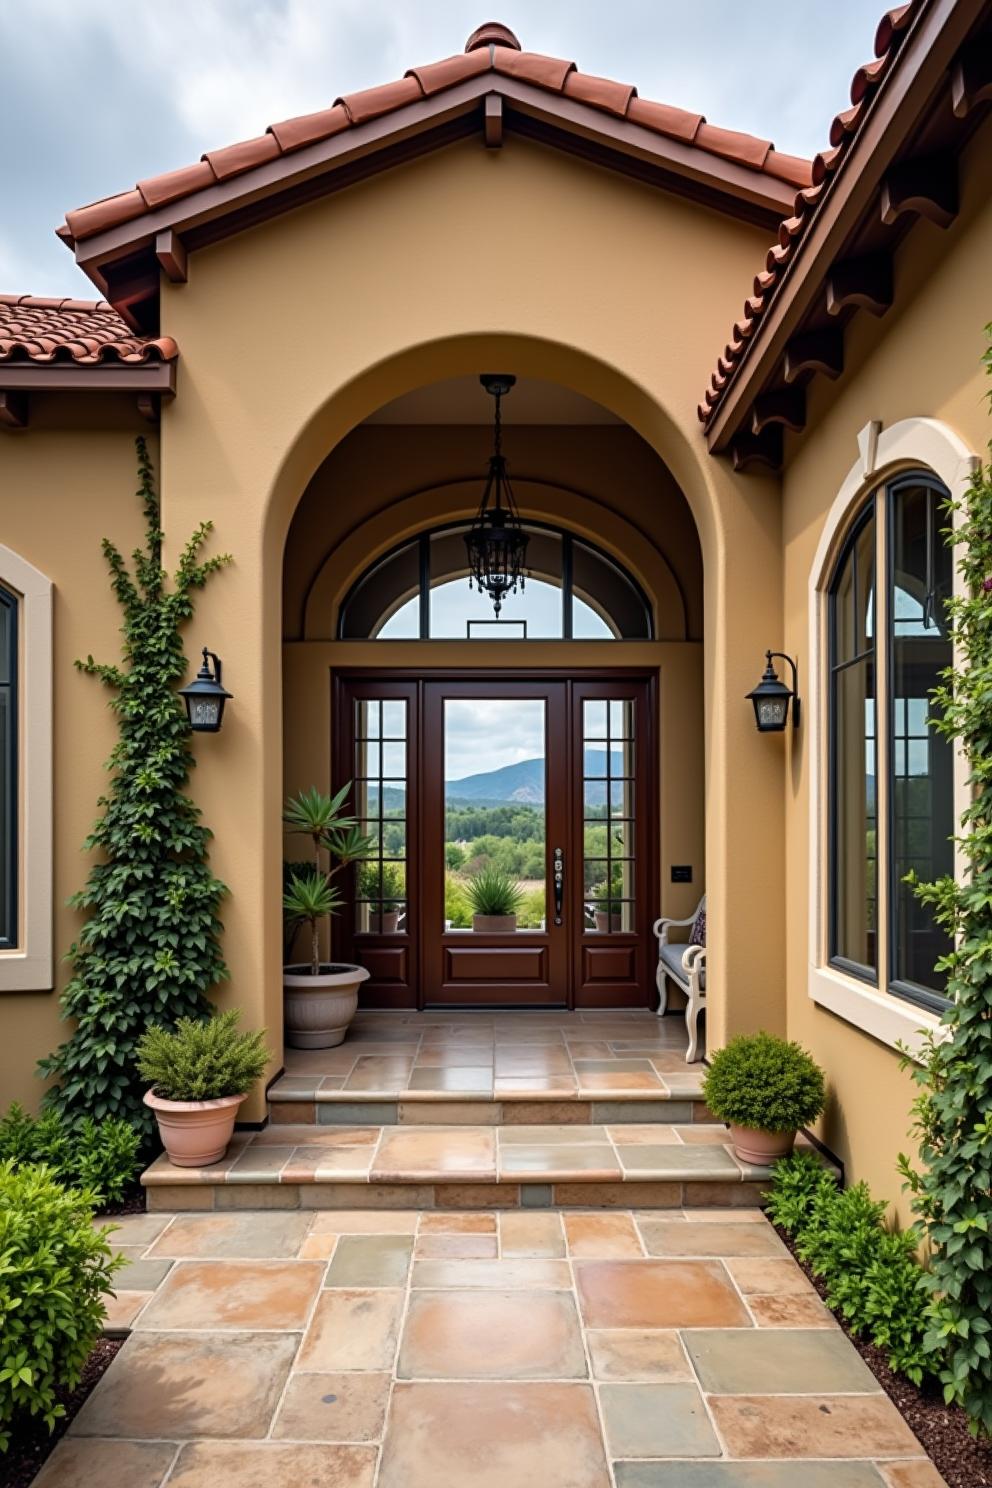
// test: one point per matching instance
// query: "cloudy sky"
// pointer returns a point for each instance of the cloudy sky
(98, 95)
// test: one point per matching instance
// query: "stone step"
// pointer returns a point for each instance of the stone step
(293, 1105)
(627, 1165)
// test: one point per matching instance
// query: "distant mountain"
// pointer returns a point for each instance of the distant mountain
(522, 783)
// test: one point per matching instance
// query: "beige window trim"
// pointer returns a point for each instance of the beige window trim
(28, 966)
(910, 444)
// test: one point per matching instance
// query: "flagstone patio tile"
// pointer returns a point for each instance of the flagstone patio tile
(531, 1233)
(657, 1421)
(355, 1113)
(527, 1060)
(790, 1312)
(457, 1224)
(619, 1195)
(639, 1134)
(496, 1335)
(561, 1113)
(658, 1294)
(921, 1474)
(584, 1048)
(800, 1426)
(352, 1330)
(615, 1066)
(715, 1134)
(678, 1161)
(437, 1054)
(122, 1308)
(664, 1237)
(714, 1215)
(311, 1164)
(552, 1161)
(182, 1386)
(788, 1362)
(134, 1229)
(582, 1135)
(364, 1222)
(596, 1082)
(648, 1354)
(461, 1247)
(746, 1475)
(334, 1407)
(534, 1086)
(502, 1275)
(468, 1079)
(272, 1465)
(235, 1294)
(622, 1112)
(306, 1135)
(260, 1164)
(141, 1275)
(602, 1236)
(449, 1112)
(370, 1261)
(408, 1153)
(233, 1236)
(80, 1462)
(493, 1436)
(781, 1277)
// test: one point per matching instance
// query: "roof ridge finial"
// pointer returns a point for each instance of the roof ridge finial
(492, 33)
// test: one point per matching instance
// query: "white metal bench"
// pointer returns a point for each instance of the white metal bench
(686, 966)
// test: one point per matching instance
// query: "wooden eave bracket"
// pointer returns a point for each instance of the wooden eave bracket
(865, 283)
(815, 351)
(927, 186)
(493, 121)
(785, 406)
(764, 449)
(171, 254)
(13, 409)
(971, 78)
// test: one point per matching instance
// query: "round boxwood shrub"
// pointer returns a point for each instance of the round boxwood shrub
(764, 1083)
(55, 1270)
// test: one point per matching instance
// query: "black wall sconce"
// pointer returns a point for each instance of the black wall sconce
(205, 697)
(771, 698)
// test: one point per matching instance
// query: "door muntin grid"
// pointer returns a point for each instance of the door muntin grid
(608, 816)
(380, 802)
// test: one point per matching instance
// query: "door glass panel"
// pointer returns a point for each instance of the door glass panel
(379, 800)
(608, 869)
(495, 777)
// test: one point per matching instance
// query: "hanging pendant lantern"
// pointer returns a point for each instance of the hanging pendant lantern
(496, 542)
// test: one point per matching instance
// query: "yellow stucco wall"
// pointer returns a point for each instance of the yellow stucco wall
(921, 360)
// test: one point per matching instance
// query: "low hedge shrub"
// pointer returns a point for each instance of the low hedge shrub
(871, 1274)
(763, 1083)
(55, 1269)
(101, 1156)
(202, 1060)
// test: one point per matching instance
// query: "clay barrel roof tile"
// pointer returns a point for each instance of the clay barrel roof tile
(601, 93)
(532, 67)
(231, 160)
(158, 191)
(34, 328)
(674, 123)
(372, 103)
(435, 76)
(83, 222)
(730, 144)
(307, 129)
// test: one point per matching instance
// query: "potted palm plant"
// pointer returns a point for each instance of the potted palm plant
(382, 886)
(320, 997)
(199, 1073)
(495, 898)
(764, 1089)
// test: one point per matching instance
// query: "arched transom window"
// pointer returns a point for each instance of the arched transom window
(891, 793)
(420, 591)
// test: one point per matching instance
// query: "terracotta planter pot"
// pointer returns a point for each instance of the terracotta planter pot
(604, 921)
(318, 1009)
(494, 924)
(385, 924)
(195, 1133)
(760, 1147)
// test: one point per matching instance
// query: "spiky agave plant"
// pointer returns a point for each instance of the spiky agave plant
(337, 841)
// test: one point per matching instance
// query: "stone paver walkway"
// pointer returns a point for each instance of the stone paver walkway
(523, 1349)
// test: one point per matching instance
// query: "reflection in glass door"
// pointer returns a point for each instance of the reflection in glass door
(608, 859)
(380, 803)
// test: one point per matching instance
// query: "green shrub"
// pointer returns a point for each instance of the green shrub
(384, 882)
(97, 1155)
(530, 915)
(457, 910)
(764, 1083)
(799, 1178)
(202, 1061)
(55, 1270)
(839, 1242)
(492, 891)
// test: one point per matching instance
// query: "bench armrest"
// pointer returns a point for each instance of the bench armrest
(694, 958)
(662, 926)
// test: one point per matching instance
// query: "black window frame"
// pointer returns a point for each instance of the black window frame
(10, 848)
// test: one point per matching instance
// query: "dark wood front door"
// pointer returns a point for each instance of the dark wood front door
(574, 815)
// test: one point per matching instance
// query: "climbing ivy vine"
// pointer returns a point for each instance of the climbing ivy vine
(952, 1190)
(149, 951)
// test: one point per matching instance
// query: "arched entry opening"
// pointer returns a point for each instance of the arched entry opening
(561, 745)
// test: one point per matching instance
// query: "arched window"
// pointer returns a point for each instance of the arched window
(8, 768)
(420, 591)
(891, 794)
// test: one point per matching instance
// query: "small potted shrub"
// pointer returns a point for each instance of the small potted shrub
(320, 998)
(764, 1089)
(199, 1072)
(383, 888)
(607, 909)
(495, 898)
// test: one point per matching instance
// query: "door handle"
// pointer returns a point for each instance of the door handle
(559, 875)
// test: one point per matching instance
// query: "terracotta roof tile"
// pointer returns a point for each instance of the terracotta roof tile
(793, 230)
(493, 47)
(39, 329)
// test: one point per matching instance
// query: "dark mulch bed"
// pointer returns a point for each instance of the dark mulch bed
(32, 1442)
(942, 1430)
(133, 1202)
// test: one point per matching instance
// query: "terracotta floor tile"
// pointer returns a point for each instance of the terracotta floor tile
(704, 1134)
(608, 1083)
(334, 1408)
(602, 1236)
(666, 1237)
(790, 1312)
(307, 1135)
(460, 1247)
(532, 1233)
(370, 1261)
(920, 1474)
(493, 1436)
(649, 1354)
(558, 1136)
(230, 1236)
(352, 1330)
(235, 1294)
(551, 1061)
(580, 1048)
(80, 1463)
(461, 1054)
(812, 1426)
(457, 1224)
(652, 1134)
(533, 1085)
(452, 1151)
(777, 1362)
(469, 1079)
(502, 1275)
(495, 1335)
(657, 1421)
(272, 1465)
(658, 1294)
(701, 1474)
(364, 1222)
(781, 1277)
(615, 1066)
(559, 1161)
(185, 1385)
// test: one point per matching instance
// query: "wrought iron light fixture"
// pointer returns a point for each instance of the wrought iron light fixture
(205, 697)
(771, 697)
(496, 542)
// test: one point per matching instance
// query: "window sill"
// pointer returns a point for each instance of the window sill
(886, 1018)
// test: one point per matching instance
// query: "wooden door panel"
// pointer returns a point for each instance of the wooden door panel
(496, 963)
